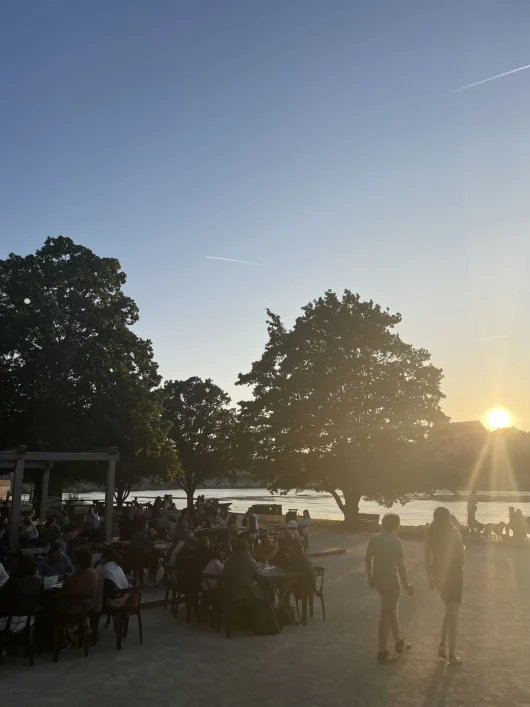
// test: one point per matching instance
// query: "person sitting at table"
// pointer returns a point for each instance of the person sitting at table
(203, 554)
(21, 594)
(91, 524)
(140, 553)
(56, 563)
(28, 532)
(266, 549)
(64, 521)
(213, 569)
(112, 582)
(85, 579)
(240, 574)
(126, 525)
(50, 532)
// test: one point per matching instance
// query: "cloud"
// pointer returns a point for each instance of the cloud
(230, 260)
(490, 338)
(491, 78)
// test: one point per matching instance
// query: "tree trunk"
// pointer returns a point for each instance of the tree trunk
(190, 492)
(349, 506)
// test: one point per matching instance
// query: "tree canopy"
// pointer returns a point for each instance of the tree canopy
(339, 403)
(73, 375)
(202, 427)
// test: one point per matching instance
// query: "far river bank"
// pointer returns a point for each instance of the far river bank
(492, 508)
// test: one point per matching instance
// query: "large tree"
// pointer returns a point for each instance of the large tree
(202, 427)
(73, 375)
(340, 403)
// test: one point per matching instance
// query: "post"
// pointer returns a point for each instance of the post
(44, 493)
(109, 499)
(16, 504)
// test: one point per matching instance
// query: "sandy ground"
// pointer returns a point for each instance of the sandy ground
(325, 664)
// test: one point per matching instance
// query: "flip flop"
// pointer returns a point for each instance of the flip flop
(454, 660)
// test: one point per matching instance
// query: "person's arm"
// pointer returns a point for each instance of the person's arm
(428, 563)
(368, 560)
(68, 567)
(402, 570)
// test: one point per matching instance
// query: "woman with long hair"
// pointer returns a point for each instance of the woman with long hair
(444, 559)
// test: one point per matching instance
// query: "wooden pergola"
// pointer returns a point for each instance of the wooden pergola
(20, 459)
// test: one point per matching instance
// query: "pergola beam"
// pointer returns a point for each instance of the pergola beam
(60, 456)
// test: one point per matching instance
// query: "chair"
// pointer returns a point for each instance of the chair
(171, 586)
(120, 615)
(319, 572)
(71, 612)
(28, 633)
(210, 597)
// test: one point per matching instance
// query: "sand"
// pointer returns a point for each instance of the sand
(327, 664)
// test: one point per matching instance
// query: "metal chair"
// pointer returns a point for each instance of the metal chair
(120, 615)
(319, 572)
(71, 611)
(27, 633)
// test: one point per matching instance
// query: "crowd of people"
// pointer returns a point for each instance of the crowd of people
(227, 557)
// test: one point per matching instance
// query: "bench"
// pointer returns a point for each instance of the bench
(368, 518)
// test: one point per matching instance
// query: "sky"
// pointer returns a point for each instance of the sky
(316, 139)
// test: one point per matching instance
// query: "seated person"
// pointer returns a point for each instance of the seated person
(292, 557)
(28, 531)
(50, 532)
(126, 525)
(112, 584)
(85, 579)
(185, 565)
(213, 569)
(240, 574)
(266, 549)
(251, 523)
(21, 594)
(56, 563)
(520, 526)
(64, 521)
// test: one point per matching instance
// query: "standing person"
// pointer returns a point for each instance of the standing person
(444, 559)
(471, 511)
(64, 521)
(385, 565)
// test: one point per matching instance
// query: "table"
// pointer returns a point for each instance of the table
(281, 580)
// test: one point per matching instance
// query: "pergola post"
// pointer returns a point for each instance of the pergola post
(44, 493)
(16, 504)
(109, 499)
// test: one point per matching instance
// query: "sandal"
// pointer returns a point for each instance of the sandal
(402, 646)
(386, 657)
(454, 660)
(441, 651)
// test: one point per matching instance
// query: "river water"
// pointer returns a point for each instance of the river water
(322, 505)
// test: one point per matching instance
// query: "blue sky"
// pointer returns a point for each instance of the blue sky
(316, 139)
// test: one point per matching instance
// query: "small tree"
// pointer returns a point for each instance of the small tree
(202, 429)
(339, 403)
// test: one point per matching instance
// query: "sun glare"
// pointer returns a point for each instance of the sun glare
(497, 417)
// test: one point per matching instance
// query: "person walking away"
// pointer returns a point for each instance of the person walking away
(471, 511)
(385, 565)
(444, 560)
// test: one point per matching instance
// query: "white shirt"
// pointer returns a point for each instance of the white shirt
(30, 531)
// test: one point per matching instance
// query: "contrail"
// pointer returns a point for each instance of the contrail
(489, 338)
(491, 78)
(230, 260)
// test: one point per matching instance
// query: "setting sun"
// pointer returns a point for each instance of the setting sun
(497, 417)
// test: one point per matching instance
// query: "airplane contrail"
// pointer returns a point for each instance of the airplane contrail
(230, 260)
(491, 78)
(489, 338)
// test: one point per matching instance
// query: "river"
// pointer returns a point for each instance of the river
(321, 505)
